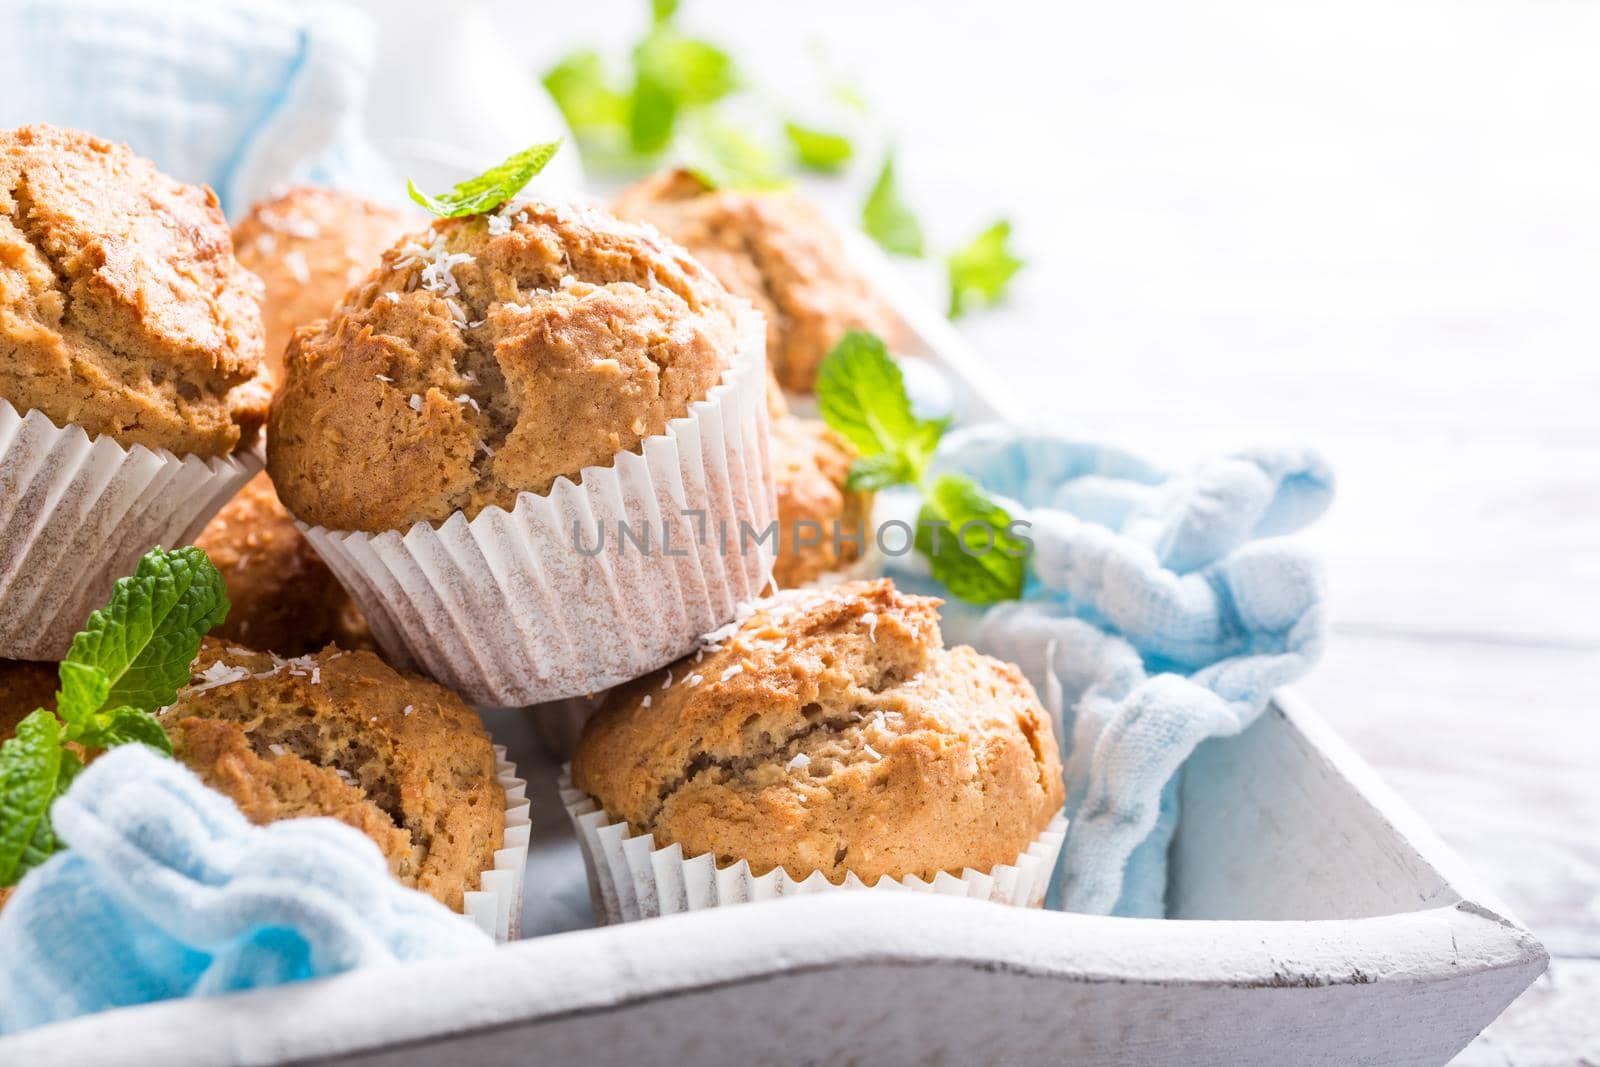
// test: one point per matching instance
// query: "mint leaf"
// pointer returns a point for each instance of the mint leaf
(491, 188)
(586, 100)
(30, 768)
(661, 11)
(883, 471)
(981, 270)
(137, 649)
(124, 725)
(986, 565)
(819, 150)
(887, 219)
(724, 157)
(672, 74)
(861, 394)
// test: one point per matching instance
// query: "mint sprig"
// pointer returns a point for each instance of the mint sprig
(981, 271)
(491, 188)
(129, 661)
(967, 537)
(819, 150)
(886, 217)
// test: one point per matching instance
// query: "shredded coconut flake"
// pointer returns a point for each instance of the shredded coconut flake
(731, 671)
(384, 378)
(296, 262)
(800, 760)
(871, 619)
(645, 703)
(415, 402)
(219, 673)
(407, 710)
(499, 225)
(694, 680)
(316, 675)
(874, 753)
(465, 399)
(668, 683)
(276, 750)
(393, 296)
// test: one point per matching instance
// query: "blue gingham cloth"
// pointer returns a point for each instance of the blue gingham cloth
(238, 94)
(1161, 609)
(167, 891)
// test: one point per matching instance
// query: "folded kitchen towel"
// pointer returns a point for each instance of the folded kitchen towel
(239, 94)
(167, 891)
(1161, 609)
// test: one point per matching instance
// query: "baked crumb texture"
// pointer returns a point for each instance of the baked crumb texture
(122, 307)
(489, 356)
(342, 734)
(283, 598)
(775, 250)
(810, 464)
(830, 731)
(309, 246)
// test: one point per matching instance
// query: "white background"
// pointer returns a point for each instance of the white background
(1371, 227)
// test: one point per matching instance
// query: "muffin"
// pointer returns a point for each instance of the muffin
(130, 374)
(777, 251)
(284, 598)
(811, 464)
(828, 739)
(343, 735)
(502, 392)
(308, 246)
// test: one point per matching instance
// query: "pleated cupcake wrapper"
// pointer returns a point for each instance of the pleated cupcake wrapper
(506, 609)
(630, 878)
(496, 905)
(77, 513)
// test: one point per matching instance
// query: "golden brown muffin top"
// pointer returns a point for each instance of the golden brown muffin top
(489, 356)
(343, 734)
(309, 246)
(811, 463)
(830, 731)
(284, 598)
(122, 307)
(25, 686)
(775, 250)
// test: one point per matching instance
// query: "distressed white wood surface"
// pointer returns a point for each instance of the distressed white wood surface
(1369, 225)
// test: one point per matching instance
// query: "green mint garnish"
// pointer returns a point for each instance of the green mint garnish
(491, 188)
(861, 395)
(129, 661)
(136, 650)
(981, 270)
(30, 767)
(887, 219)
(672, 75)
(982, 566)
(578, 86)
(661, 11)
(724, 157)
(819, 150)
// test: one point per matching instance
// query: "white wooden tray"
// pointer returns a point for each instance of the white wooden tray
(1315, 920)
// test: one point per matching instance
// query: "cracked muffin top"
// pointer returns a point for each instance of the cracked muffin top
(344, 735)
(122, 307)
(775, 250)
(830, 731)
(284, 598)
(489, 356)
(308, 246)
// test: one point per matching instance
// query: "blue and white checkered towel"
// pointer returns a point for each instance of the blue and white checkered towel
(167, 891)
(1161, 609)
(238, 95)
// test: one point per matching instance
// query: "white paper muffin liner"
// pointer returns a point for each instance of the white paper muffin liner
(507, 611)
(496, 905)
(77, 513)
(630, 878)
